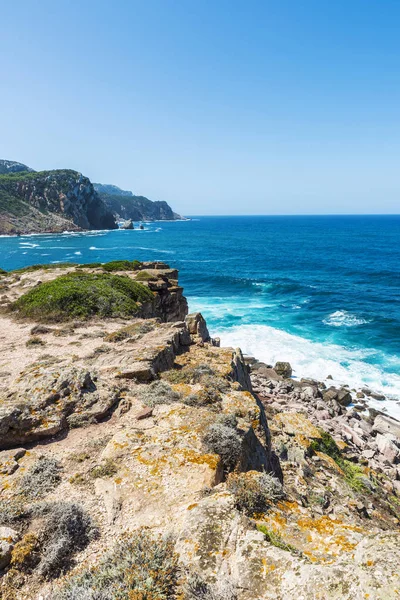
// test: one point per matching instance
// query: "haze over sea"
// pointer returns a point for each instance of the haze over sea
(321, 292)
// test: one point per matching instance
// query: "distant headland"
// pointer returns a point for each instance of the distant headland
(65, 200)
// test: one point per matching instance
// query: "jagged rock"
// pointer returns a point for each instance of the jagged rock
(128, 224)
(385, 424)
(9, 460)
(387, 447)
(46, 400)
(240, 371)
(8, 537)
(197, 326)
(283, 368)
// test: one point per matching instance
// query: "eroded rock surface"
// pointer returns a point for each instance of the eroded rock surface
(115, 417)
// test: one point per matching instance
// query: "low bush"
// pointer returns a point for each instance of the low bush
(158, 392)
(225, 441)
(122, 265)
(145, 276)
(66, 529)
(254, 492)
(354, 474)
(46, 267)
(35, 341)
(107, 469)
(12, 512)
(276, 540)
(2, 272)
(82, 295)
(197, 588)
(25, 555)
(41, 478)
(141, 567)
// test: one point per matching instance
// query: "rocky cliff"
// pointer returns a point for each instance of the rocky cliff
(138, 208)
(52, 201)
(141, 461)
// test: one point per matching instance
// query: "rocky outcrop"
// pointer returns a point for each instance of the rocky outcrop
(50, 201)
(266, 488)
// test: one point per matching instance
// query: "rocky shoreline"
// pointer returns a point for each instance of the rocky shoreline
(368, 434)
(139, 459)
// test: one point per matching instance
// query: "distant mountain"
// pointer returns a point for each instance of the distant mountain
(49, 201)
(10, 166)
(125, 205)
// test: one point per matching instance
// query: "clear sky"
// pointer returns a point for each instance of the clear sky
(218, 107)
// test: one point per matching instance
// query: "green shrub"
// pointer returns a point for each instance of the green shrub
(276, 540)
(254, 492)
(145, 276)
(141, 567)
(66, 529)
(107, 469)
(94, 265)
(354, 474)
(2, 272)
(158, 392)
(122, 265)
(225, 441)
(82, 295)
(41, 478)
(47, 267)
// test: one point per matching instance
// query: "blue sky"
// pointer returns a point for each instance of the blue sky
(218, 107)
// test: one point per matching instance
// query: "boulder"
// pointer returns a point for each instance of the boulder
(385, 424)
(387, 447)
(344, 397)
(197, 326)
(128, 225)
(283, 368)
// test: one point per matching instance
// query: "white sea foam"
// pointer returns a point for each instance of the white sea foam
(316, 360)
(342, 318)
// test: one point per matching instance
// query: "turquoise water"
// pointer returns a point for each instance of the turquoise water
(321, 292)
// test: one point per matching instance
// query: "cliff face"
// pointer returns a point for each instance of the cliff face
(144, 427)
(138, 208)
(50, 201)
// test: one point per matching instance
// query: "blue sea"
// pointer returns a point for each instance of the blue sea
(320, 292)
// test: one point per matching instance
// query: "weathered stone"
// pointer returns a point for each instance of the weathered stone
(8, 537)
(283, 368)
(144, 414)
(9, 460)
(387, 447)
(385, 424)
(197, 326)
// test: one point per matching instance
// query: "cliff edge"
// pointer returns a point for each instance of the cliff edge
(137, 461)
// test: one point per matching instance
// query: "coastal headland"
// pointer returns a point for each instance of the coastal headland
(140, 458)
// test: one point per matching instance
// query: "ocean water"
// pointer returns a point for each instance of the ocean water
(320, 292)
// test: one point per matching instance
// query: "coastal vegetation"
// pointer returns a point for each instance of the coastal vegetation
(81, 296)
(140, 567)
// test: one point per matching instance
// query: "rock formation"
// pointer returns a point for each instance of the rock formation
(53, 201)
(125, 205)
(143, 427)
